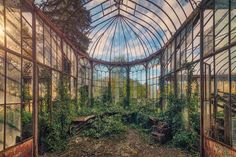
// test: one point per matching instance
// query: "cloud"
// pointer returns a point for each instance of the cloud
(113, 43)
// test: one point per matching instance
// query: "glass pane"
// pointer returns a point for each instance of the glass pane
(26, 30)
(2, 89)
(13, 25)
(13, 125)
(13, 79)
(55, 82)
(1, 23)
(233, 20)
(2, 75)
(27, 99)
(1, 126)
(233, 95)
(221, 23)
(39, 40)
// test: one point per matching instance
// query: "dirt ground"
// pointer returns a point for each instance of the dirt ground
(128, 145)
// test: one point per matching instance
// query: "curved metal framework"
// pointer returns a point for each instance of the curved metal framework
(130, 31)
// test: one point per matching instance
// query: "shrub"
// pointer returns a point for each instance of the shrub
(104, 127)
(54, 123)
(186, 140)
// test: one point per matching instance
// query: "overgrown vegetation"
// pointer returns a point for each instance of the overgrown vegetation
(54, 123)
(181, 113)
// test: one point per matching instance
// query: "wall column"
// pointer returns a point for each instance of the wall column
(35, 86)
(202, 154)
(91, 84)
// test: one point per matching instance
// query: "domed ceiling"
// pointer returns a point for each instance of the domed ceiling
(129, 30)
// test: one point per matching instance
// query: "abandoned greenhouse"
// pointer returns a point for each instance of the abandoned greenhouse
(117, 78)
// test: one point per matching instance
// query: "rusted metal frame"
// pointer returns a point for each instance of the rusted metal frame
(76, 83)
(86, 1)
(154, 14)
(163, 12)
(5, 76)
(175, 11)
(112, 40)
(108, 23)
(182, 8)
(202, 9)
(91, 83)
(146, 79)
(35, 86)
(128, 85)
(224, 64)
(186, 44)
(50, 60)
(126, 45)
(111, 30)
(144, 26)
(100, 37)
(192, 32)
(109, 52)
(161, 82)
(93, 27)
(230, 78)
(135, 8)
(196, 5)
(191, 4)
(102, 11)
(195, 37)
(214, 73)
(107, 14)
(142, 32)
(139, 61)
(138, 37)
(153, 33)
(95, 44)
(135, 51)
(148, 18)
(49, 23)
(97, 5)
(225, 70)
(92, 50)
(175, 69)
(189, 46)
(21, 73)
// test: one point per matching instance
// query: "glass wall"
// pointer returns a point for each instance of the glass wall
(55, 57)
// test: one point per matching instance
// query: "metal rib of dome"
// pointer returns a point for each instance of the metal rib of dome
(129, 30)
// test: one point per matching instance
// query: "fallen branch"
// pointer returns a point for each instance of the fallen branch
(78, 123)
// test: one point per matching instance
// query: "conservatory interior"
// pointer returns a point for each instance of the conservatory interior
(174, 59)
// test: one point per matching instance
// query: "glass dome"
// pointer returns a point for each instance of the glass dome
(130, 30)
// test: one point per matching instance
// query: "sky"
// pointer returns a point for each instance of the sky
(134, 29)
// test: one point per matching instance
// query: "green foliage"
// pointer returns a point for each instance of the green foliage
(184, 136)
(105, 94)
(84, 95)
(136, 114)
(186, 140)
(27, 124)
(54, 126)
(173, 114)
(104, 127)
